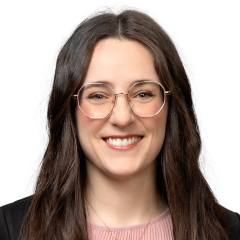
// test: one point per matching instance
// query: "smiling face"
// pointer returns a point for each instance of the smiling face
(116, 146)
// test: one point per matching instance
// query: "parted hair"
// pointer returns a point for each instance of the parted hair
(57, 208)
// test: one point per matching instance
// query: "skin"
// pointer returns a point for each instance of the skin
(121, 181)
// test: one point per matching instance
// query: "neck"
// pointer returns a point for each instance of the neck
(123, 202)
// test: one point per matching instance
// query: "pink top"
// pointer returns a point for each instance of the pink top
(158, 228)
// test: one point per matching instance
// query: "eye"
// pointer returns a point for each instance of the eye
(97, 96)
(144, 95)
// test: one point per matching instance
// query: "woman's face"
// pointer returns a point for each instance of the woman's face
(121, 62)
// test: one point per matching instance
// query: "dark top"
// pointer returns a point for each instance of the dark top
(12, 215)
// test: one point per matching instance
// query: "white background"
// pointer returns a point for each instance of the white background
(207, 36)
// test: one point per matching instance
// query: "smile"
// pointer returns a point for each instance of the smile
(122, 142)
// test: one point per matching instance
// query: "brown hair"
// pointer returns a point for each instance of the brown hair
(57, 209)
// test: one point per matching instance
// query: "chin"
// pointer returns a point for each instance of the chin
(122, 175)
(125, 171)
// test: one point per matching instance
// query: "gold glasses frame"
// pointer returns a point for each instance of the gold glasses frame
(75, 96)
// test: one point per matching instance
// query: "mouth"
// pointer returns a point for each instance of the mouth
(122, 142)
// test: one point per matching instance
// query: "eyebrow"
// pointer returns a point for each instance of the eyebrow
(131, 83)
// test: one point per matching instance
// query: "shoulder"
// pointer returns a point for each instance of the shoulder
(233, 223)
(11, 218)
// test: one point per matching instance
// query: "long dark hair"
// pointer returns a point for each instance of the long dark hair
(57, 209)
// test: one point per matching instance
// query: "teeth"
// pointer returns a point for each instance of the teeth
(118, 143)
(122, 142)
(110, 141)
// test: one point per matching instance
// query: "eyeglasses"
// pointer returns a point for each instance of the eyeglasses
(145, 98)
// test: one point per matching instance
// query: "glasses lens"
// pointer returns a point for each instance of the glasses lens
(96, 100)
(146, 98)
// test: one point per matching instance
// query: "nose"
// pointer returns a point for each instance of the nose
(121, 113)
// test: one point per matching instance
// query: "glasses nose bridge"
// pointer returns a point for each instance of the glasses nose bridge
(117, 94)
(121, 93)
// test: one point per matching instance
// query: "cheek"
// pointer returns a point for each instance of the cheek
(87, 128)
(157, 124)
(156, 128)
(161, 122)
(83, 127)
(84, 132)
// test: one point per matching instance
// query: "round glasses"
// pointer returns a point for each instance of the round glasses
(145, 98)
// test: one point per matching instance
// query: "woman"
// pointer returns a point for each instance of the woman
(124, 144)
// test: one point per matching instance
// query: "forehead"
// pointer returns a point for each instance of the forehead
(120, 62)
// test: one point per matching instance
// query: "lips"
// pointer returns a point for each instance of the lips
(122, 142)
